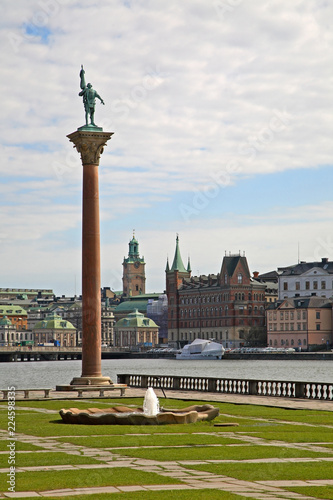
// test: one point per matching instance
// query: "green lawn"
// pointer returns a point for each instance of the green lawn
(117, 476)
(47, 459)
(325, 492)
(245, 452)
(168, 446)
(271, 471)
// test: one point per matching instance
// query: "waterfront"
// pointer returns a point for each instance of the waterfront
(49, 373)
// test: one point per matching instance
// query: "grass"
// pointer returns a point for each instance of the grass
(117, 476)
(275, 471)
(167, 446)
(245, 452)
(19, 446)
(325, 492)
(115, 441)
(46, 459)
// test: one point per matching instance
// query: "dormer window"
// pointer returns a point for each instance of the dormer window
(240, 278)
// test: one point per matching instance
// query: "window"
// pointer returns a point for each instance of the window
(317, 326)
(315, 285)
(285, 285)
(240, 278)
(323, 285)
(298, 285)
(281, 315)
(307, 285)
(225, 278)
(287, 315)
(317, 314)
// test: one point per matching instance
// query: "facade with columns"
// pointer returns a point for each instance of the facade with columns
(134, 277)
(219, 306)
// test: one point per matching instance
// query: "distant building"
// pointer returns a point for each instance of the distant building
(157, 310)
(134, 279)
(10, 335)
(306, 279)
(10, 294)
(302, 322)
(16, 314)
(219, 306)
(55, 328)
(271, 280)
(135, 330)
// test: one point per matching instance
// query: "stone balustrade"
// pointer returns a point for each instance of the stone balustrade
(273, 388)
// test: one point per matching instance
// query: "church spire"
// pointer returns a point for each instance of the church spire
(167, 268)
(189, 265)
(178, 264)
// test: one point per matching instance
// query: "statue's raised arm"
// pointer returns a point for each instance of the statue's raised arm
(89, 99)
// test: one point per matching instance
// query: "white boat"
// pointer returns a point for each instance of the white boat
(201, 349)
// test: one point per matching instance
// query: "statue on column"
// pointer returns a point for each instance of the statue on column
(89, 98)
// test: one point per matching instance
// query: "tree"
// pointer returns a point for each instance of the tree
(256, 336)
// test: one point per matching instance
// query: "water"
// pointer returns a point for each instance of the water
(50, 373)
(151, 405)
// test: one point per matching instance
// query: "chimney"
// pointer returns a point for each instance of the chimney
(324, 260)
(255, 274)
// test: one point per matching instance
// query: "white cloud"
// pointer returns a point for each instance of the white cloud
(189, 87)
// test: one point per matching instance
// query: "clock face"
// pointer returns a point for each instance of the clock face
(136, 264)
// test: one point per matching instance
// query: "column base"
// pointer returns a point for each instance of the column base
(91, 381)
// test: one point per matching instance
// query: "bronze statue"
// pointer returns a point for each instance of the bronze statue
(89, 96)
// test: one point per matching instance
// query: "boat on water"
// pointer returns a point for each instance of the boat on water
(201, 349)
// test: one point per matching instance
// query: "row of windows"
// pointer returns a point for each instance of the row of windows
(226, 297)
(184, 313)
(286, 342)
(284, 315)
(315, 285)
(216, 323)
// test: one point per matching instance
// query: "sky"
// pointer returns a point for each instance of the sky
(222, 121)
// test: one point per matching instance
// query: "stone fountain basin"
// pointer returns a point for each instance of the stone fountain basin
(122, 415)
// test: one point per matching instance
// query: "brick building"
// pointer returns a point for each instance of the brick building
(219, 306)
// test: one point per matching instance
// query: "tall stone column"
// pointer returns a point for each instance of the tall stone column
(90, 145)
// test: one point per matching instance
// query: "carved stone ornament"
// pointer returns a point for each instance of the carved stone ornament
(90, 145)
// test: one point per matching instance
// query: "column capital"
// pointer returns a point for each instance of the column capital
(90, 145)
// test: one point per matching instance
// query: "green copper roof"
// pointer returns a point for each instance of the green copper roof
(178, 264)
(136, 319)
(54, 322)
(12, 311)
(5, 321)
(133, 252)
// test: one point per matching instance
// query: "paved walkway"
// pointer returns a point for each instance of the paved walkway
(191, 479)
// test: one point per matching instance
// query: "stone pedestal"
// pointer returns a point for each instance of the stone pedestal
(90, 145)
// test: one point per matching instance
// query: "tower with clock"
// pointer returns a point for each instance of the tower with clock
(134, 278)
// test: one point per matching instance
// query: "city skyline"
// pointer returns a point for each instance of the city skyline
(222, 121)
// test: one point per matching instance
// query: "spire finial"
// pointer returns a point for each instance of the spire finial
(133, 233)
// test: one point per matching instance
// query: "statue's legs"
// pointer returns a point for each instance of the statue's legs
(87, 114)
(92, 112)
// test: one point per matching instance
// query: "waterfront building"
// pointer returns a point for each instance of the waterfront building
(135, 330)
(11, 336)
(16, 314)
(306, 279)
(221, 307)
(55, 328)
(300, 322)
(134, 279)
